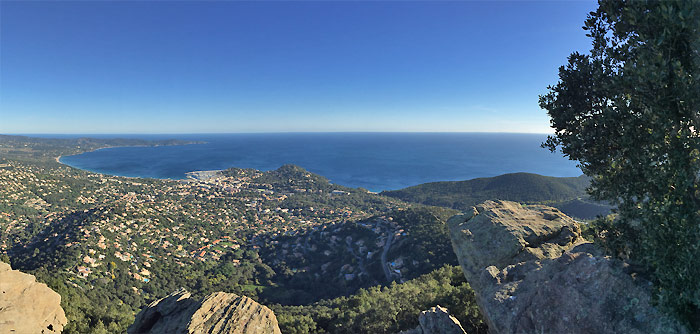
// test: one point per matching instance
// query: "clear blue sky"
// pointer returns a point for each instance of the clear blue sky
(218, 66)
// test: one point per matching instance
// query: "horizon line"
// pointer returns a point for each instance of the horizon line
(262, 132)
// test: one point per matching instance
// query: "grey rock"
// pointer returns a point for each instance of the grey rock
(219, 312)
(533, 273)
(436, 320)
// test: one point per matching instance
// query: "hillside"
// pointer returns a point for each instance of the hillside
(337, 259)
(387, 309)
(43, 150)
(110, 245)
(566, 193)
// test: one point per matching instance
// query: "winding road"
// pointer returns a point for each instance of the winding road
(387, 246)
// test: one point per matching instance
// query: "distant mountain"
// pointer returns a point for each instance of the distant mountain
(566, 193)
(34, 149)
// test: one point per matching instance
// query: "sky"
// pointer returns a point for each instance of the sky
(320, 66)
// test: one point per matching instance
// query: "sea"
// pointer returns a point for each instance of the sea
(374, 161)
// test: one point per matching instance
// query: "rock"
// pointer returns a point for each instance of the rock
(500, 233)
(218, 312)
(533, 273)
(27, 306)
(436, 320)
(170, 314)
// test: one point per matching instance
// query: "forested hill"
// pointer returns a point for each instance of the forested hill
(567, 193)
(47, 149)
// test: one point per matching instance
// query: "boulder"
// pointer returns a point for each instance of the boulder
(436, 320)
(27, 306)
(533, 273)
(218, 312)
(499, 233)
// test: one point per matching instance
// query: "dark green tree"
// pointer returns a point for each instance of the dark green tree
(629, 113)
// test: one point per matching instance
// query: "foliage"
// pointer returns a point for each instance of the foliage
(519, 187)
(427, 242)
(114, 299)
(387, 309)
(111, 245)
(566, 193)
(44, 150)
(629, 113)
(311, 264)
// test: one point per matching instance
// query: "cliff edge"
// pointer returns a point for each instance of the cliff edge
(27, 306)
(533, 273)
(218, 312)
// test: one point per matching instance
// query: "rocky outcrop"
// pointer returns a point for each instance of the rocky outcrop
(219, 312)
(27, 306)
(436, 320)
(533, 273)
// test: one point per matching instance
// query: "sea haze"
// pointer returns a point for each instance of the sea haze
(375, 161)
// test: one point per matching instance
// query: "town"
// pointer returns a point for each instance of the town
(139, 223)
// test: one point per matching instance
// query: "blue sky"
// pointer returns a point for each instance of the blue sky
(218, 66)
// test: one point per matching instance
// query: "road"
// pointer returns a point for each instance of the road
(387, 246)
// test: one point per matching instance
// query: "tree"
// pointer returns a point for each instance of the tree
(629, 113)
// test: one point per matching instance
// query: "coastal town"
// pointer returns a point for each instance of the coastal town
(107, 222)
(284, 236)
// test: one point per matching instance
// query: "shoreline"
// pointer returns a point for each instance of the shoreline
(202, 175)
(58, 160)
(195, 162)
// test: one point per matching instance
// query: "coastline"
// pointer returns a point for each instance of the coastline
(203, 174)
(58, 159)
(374, 163)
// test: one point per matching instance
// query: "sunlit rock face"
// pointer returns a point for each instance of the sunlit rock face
(533, 273)
(219, 312)
(27, 306)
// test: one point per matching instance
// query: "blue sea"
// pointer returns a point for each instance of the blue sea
(374, 161)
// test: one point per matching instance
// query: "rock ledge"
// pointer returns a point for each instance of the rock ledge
(533, 273)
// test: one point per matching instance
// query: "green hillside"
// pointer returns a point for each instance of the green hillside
(519, 187)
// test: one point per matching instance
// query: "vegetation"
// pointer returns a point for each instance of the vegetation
(110, 245)
(350, 260)
(566, 193)
(44, 150)
(341, 258)
(387, 309)
(108, 304)
(427, 244)
(629, 113)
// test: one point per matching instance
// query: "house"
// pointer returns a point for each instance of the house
(84, 271)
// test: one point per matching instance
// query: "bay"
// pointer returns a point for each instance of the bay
(374, 161)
